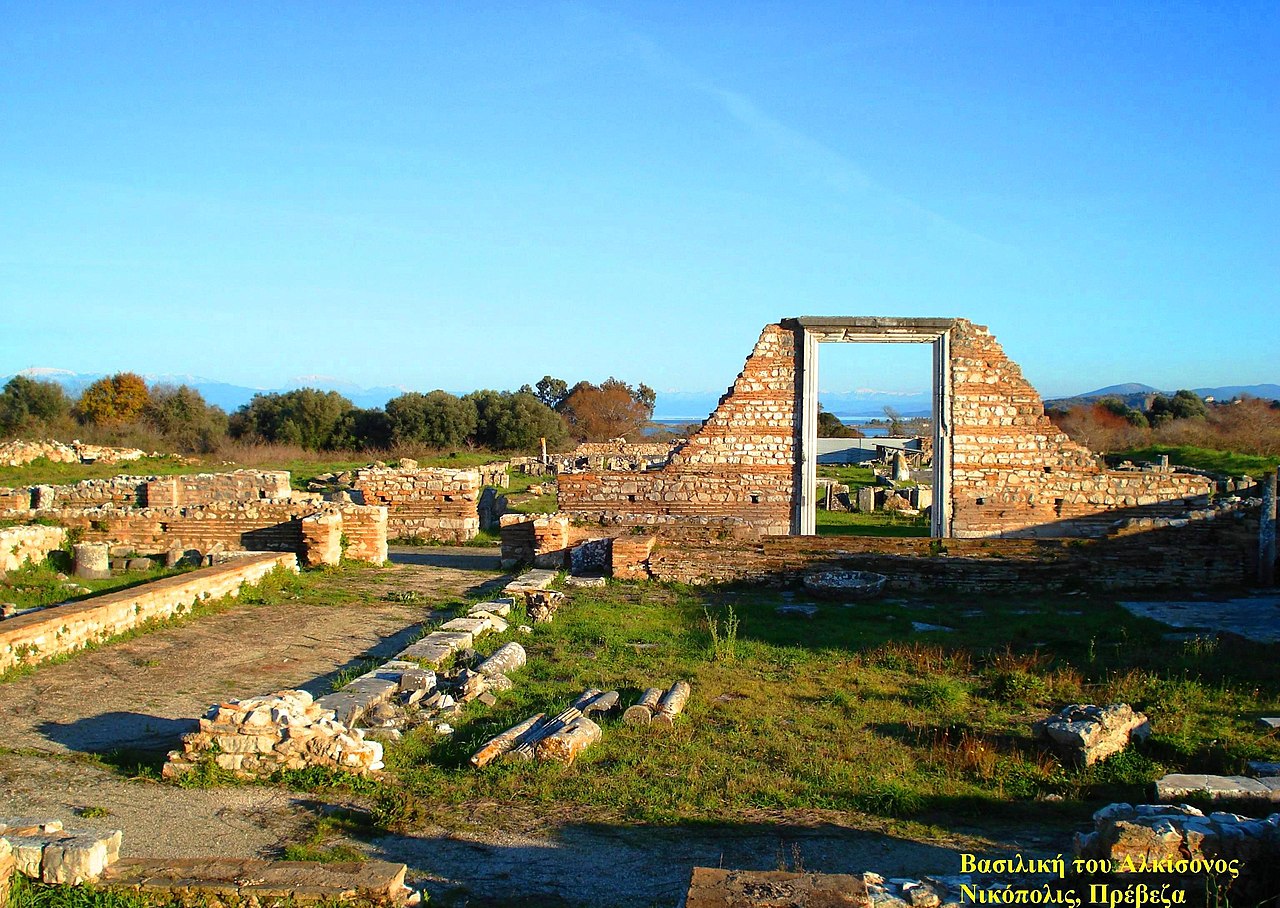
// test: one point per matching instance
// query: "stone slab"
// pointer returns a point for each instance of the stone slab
(1264, 768)
(536, 579)
(476, 627)
(712, 887)
(1271, 722)
(499, 607)
(451, 639)
(1255, 617)
(302, 882)
(1178, 786)
(426, 653)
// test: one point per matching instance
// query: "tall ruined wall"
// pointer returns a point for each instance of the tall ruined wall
(738, 468)
(19, 545)
(1014, 473)
(435, 504)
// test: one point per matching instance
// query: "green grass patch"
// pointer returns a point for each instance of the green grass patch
(851, 712)
(1229, 463)
(48, 582)
(876, 523)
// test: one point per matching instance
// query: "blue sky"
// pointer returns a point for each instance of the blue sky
(473, 195)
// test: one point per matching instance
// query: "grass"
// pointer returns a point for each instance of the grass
(47, 582)
(1228, 463)
(851, 712)
(856, 523)
(303, 466)
(24, 893)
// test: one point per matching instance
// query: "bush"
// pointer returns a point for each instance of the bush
(307, 417)
(438, 419)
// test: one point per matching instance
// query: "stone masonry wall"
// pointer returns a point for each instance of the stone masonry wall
(1014, 473)
(439, 505)
(738, 468)
(19, 545)
(36, 636)
(151, 491)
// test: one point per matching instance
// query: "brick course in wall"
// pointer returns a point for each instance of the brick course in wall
(438, 505)
(36, 636)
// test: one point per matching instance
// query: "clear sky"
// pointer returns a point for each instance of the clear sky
(468, 195)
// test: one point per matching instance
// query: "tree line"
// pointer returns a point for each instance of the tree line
(123, 405)
(1246, 425)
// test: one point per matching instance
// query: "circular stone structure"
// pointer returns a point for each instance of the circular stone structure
(846, 585)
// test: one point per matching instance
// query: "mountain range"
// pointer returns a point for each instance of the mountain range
(672, 405)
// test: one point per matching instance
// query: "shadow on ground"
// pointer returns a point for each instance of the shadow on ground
(607, 866)
(118, 731)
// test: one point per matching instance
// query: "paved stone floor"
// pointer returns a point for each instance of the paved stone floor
(1256, 617)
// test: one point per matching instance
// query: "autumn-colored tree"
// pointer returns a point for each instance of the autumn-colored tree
(113, 400)
(612, 409)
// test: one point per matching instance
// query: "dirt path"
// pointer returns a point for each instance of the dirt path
(144, 692)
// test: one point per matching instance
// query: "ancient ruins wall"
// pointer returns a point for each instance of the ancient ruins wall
(439, 505)
(261, 526)
(738, 468)
(1014, 473)
(35, 636)
(151, 491)
(19, 545)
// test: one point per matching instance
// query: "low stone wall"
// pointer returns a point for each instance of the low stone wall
(260, 526)
(21, 453)
(37, 636)
(438, 505)
(19, 545)
(1214, 552)
(1201, 555)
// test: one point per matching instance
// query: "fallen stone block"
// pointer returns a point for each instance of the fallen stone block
(499, 607)
(477, 626)
(1180, 786)
(235, 881)
(1085, 735)
(426, 653)
(1264, 768)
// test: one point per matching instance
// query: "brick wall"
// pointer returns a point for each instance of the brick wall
(435, 504)
(36, 636)
(738, 468)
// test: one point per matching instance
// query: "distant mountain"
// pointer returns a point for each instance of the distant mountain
(1124, 390)
(1266, 392)
(1134, 394)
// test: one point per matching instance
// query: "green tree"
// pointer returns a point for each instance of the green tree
(307, 417)
(1183, 405)
(113, 400)
(367, 429)
(515, 422)
(31, 406)
(185, 419)
(830, 426)
(551, 391)
(438, 419)
(1129, 414)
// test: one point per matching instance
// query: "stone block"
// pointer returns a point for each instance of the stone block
(1087, 734)
(92, 560)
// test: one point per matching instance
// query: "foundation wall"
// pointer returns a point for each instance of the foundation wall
(36, 636)
(1203, 555)
(438, 505)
